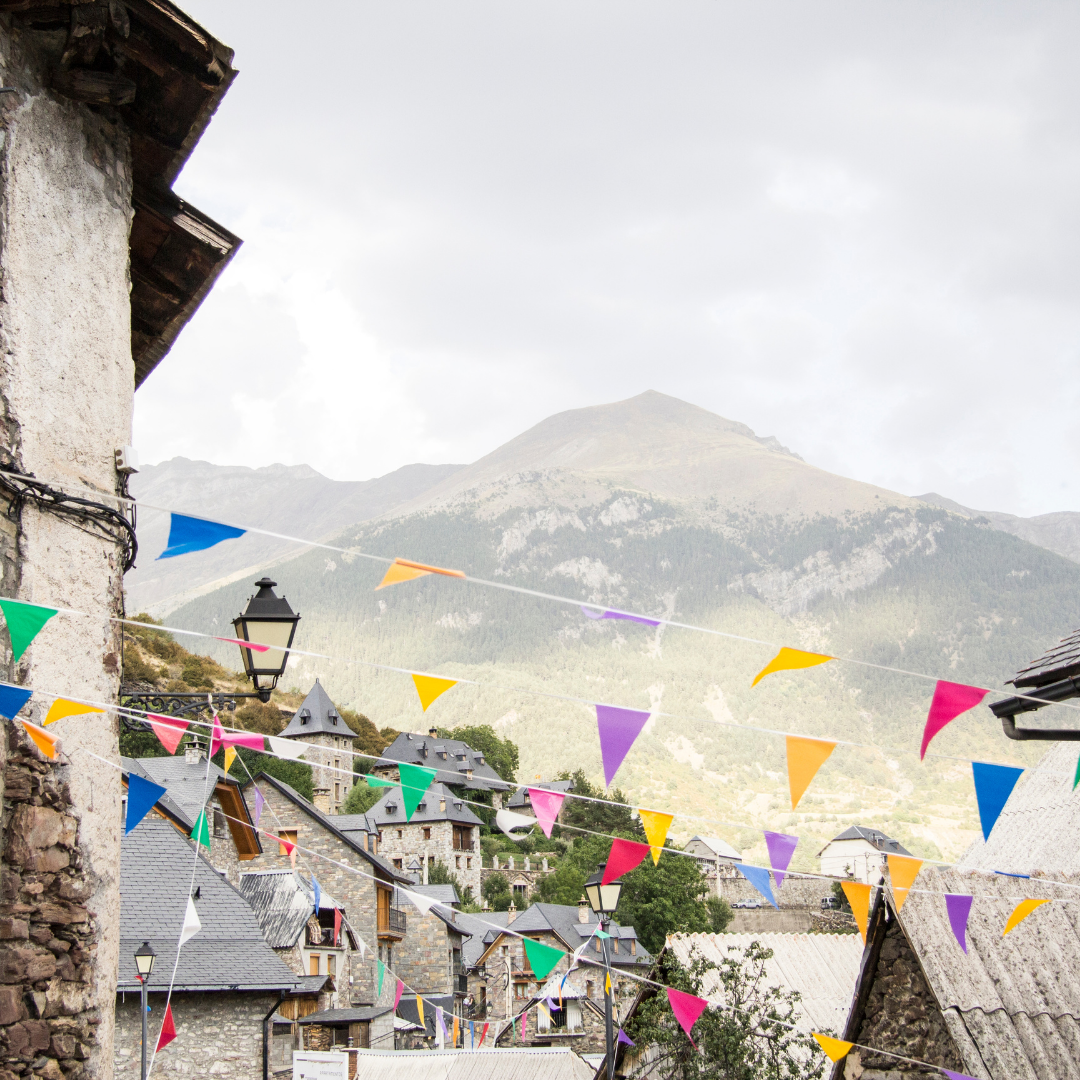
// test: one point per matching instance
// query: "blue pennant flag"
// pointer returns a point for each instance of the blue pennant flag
(758, 876)
(194, 534)
(12, 699)
(993, 786)
(142, 794)
(318, 893)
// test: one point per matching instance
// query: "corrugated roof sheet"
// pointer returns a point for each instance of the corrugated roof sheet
(823, 968)
(345, 1016)
(525, 1063)
(283, 902)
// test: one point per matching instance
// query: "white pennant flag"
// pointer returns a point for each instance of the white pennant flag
(191, 922)
(286, 748)
(507, 820)
(423, 903)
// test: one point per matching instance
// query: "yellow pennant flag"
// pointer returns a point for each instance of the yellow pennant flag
(456, 1028)
(790, 660)
(61, 707)
(45, 742)
(656, 826)
(420, 1009)
(607, 984)
(858, 896)
(835, 1049)
(406, 570)
(429, 688)
(804, 758)
(230, 757)
(1021, 912)
(903, 870)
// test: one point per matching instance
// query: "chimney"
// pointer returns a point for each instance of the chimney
(583, 910)
(511, 913)
(322, 799)
(192, 753)
(433, 732)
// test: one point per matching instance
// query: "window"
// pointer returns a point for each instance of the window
(468, 864)
(397, 864)
(598, 948)
(633, 947)
(331, 964)
(398, 836)
(521, 990)
(288, 835)
(588, 989)
(337, 763)
(219, 823)
(337, 797)
(615, 942)
(313, 964)
(573, 1015)
(457, 865)
(427, 835)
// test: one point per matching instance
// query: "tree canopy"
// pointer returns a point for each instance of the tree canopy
(500, 754)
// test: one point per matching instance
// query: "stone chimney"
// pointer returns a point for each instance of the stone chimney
(433, 732)
(192, 754)
(511, 913)
(583, 910)
(322, 799)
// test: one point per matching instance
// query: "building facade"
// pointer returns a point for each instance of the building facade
(318, 721)
(859, 853)
(458, 764)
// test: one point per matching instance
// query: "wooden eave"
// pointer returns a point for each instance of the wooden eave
(245, 838)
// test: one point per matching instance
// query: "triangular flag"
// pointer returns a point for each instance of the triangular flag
(381, 968)
(24, 621)
(1076, 778)
(191, 922)
(318, 893)
(429, 688)
(618, 729)
(456, 1029)
(834, 1049)
(142, 795)
(420, 1010)
(546, 805)
(993, 786)
(378, 781)
(241, 738)
(62, 707)
(12, 699)
(472, 1034)
(288, 749)
(524, 1017)
(415, 780)
(230, 757)
(602, 935)
(337, 933)
(440, 1026)
(1021, 912)
(483, 1035)
(217, 737)
(169, 730)
(624, 856)
(624, 1038)
(201, 833)
(397, 993)
(791, 660)
(45, 742)
(542, 958)
(686, 1008)
(656, 826)
(958, 908)
(607, 984)
(804, 758)
(758, 876)
(950, 700)
(903, 870)
(858, 896)
(781, 847)
(422, 903)
(292, 856)
(406, 570)
(508, 820)
(168, 1029)
(260, 802)
(195, 534)
(957, 1076)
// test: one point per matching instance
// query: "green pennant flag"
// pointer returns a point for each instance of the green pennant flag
(201, 832)
(600, 934)
(23, 623)
(542, 958)
(1076, 778)
(377, 781)
(382, 972)
(415, 780)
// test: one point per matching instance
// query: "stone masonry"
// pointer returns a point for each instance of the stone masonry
(425, 959)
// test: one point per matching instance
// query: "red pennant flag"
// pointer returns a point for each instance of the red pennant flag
(687, 1009)
(483, 1036)
(950, 700)
(168, 1029)
(625, 855)
(337, 925)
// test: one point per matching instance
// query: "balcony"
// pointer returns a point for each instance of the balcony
(460, 983)
(392, 922)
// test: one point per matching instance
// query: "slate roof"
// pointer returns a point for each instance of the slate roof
(1059, 662)
(283, 902)
(450, 756)
(189, 787)
(346, 1016)
(317, 715)
(521, 796)
(516, 1063)
(718, 847)
(428, 810)
(356, 823)
(170, 806)
(874, 837)
(228, 953)
(444, 894)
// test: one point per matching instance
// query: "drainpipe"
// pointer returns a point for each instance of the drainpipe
(266, 1042)
(1044, 695)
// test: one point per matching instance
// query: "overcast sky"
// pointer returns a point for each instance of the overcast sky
(850, 225)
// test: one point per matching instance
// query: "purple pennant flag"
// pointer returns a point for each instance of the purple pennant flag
(259, 803)
(959, 908)
(957, 1076)
(618, 729)
(781, 848)
(590, 614)
(624, 1038)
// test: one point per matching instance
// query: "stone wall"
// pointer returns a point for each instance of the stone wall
(768, 920)
(440, 846)
(423, 959)
(217, 1034)
(806, 893)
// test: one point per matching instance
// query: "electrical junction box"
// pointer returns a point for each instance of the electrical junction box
(127, 460)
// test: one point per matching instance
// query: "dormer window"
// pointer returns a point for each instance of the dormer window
(480, 759)
(422, 807)
(391, 807)
(305, 715)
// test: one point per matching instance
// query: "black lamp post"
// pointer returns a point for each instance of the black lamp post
(604, 899)
(144, 965)
(268, 620)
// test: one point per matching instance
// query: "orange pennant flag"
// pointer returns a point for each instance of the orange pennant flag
(791, 660)
(1021, 912)
(858, 896)
(406, 570)
(835, 1049)
(804, 758)
(61, 707)
(429, 688)
(45, 742)
(903, 870)
(656, 826)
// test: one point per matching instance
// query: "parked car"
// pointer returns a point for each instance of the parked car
(830, 903)
(747, 904)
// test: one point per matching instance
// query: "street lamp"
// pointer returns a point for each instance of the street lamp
(269, 621)
(604, 899)
(144, 965)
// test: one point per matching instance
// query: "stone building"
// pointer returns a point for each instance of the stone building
(717, 859)
(430, 959)
(523, 873)
(318, 721)
(102, 266)
(442, 829)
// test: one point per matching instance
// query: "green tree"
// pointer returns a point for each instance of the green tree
(752, 1039)
(500, 754)
(441, 874)
(664, 899)
(369, 741)
(496, 891)
(603, 816)
(720, 913)
(566, 884)
(361, 798)
(297, 774)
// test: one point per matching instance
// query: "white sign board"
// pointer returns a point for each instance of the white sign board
(319, 1065)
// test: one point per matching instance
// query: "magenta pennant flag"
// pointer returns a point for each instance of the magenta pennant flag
(959, 908)
(252, 742)
(260, 802)
(781, 848)
(589, 613)
(625, 855)
(618, 729)
(687, 1009)
(957, 1076)
(546, 806)
(950, 700)
(217, 737)
(397, 993)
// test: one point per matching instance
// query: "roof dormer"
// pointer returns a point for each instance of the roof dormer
(305, 715)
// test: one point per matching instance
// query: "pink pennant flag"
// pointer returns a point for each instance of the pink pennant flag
(260, 802)
(687, 1009)
(252, 742)
(253, 645)
(546, 806)
(216, 740)
(169, 730)
(625, 855)
(524, 1017)
(397, 993)
(618, 729)
(950, 700)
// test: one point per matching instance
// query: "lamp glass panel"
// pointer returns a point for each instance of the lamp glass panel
(592, 891)
(275, 633)
(144, 962)
(609, 895)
